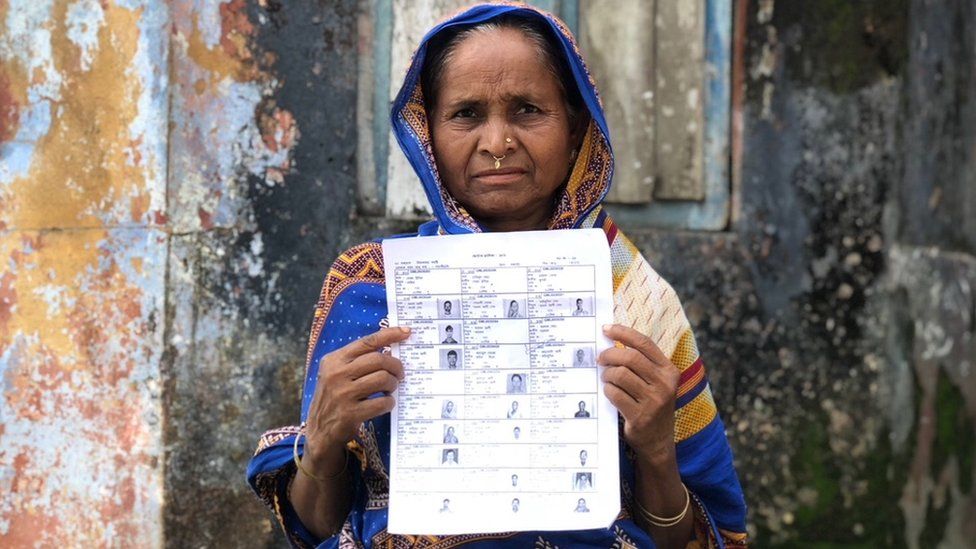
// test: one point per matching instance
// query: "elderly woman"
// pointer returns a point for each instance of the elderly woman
(504, 128)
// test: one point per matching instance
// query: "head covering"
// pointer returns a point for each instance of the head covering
(590, 178)
(352, 304)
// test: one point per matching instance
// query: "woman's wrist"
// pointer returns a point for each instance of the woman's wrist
(320, 491)
(326, 459)
(659, 480)
(661, 500)
(658, 461)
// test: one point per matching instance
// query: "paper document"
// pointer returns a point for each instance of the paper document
(501, 423)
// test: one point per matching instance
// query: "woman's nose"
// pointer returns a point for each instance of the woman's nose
(497, 138)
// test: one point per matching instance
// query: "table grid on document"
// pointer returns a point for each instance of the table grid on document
(501, 384)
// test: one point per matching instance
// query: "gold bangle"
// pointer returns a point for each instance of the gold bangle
(665, 522)
(298, 460)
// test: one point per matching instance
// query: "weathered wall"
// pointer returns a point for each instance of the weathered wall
(854, 414)
(82, 183)
(175, 177)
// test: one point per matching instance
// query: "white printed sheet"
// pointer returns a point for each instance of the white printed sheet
(501, 423)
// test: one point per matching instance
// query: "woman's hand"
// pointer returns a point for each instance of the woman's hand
(643, 384)
(346, 378)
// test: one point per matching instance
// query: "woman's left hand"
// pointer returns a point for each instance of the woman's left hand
(643, 384)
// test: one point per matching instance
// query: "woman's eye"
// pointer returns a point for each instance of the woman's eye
(464, 113)
(528, 109)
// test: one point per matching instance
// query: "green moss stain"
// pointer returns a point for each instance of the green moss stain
(873, 520)
(954, 439)
(954, 433)
(936, 520)
(844, 45)
(814, 465)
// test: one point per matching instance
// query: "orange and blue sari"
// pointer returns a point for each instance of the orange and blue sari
(353, 303)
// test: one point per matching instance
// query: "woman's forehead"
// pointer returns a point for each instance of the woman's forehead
(494, 43)
(482, 63)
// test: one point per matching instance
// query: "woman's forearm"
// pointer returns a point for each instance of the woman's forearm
(322, 505)
(659, 491)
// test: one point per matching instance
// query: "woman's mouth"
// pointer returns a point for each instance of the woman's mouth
(501, 176)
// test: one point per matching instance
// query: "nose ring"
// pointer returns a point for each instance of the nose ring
(508, 139)
(498, 160)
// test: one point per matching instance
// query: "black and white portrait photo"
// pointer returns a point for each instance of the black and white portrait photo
(580, 506)
(449, 436)
(517, 384)
(581, 306)
(450, 333)
(581, 410)
(583, 481)
(449, 308)
(449, 456)
(450, 359)
(582, 357)
(513, 411)
(513, 308)
(448, 410)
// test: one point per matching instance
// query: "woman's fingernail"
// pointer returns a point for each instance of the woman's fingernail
(606, 327)
(404, 329)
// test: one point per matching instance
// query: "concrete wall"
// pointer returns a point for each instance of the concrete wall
(175, 177)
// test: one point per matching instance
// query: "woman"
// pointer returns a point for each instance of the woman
(581, 411)
(513, 412)
(450, 437)
(448, 411)
(503, 126)
(513, 307)
(515, 384)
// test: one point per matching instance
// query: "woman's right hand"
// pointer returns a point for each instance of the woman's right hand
(346, 378)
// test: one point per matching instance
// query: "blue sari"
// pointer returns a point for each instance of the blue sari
(353, 303)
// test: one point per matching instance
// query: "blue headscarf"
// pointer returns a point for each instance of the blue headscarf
(586, 188)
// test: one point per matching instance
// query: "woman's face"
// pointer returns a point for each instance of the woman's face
(496, 88)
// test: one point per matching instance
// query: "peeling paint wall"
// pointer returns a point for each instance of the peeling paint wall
(175, 178)
(82, 176)
(142, 146)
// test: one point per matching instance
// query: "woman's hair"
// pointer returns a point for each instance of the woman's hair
(441, 48)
